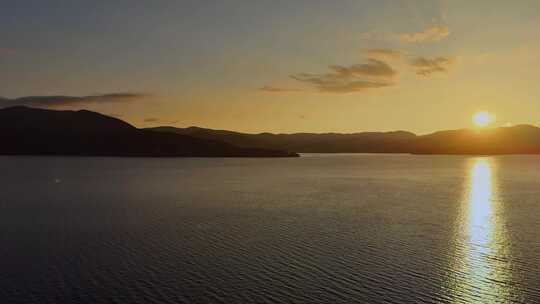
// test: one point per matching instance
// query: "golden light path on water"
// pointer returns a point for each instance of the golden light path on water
(484, 269)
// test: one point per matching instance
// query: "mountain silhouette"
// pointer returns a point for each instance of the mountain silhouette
(365, 142)
(33, 131)
(521, 139)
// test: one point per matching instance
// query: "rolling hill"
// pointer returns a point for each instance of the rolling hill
(520, 139)
(32, 131)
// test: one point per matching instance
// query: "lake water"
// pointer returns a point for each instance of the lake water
(315, 229)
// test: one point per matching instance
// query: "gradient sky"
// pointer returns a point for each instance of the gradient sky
(277, 66)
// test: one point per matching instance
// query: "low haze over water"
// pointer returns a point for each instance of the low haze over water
(315, 229)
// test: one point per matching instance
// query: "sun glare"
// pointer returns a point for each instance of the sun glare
(482, 119)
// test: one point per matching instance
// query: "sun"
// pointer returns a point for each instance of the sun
(482, 119)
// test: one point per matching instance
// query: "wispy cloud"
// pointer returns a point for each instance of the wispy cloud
(373, 68)
(336, 86)
(429, 34)
(434, 33)
(355, 78)
(381, 69)
(52, 101)
(154, 120)
(421, 65)
(272, 89)
(381, 53)
(427, 66)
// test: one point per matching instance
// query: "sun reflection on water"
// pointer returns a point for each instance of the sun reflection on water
(481, 196)
(484, 272)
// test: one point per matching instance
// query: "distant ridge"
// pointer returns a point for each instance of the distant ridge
(365, 142)
(520, 139)
(33, 131)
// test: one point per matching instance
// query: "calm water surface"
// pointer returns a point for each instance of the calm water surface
(315, 229)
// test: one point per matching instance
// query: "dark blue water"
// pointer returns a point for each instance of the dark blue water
(315, 229)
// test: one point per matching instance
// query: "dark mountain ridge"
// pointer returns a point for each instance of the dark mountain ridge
(32, 131)
(519, 139)
(373, 142)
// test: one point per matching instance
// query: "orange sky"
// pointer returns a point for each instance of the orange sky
(305, 66)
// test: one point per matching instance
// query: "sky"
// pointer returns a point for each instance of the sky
(276, 66)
